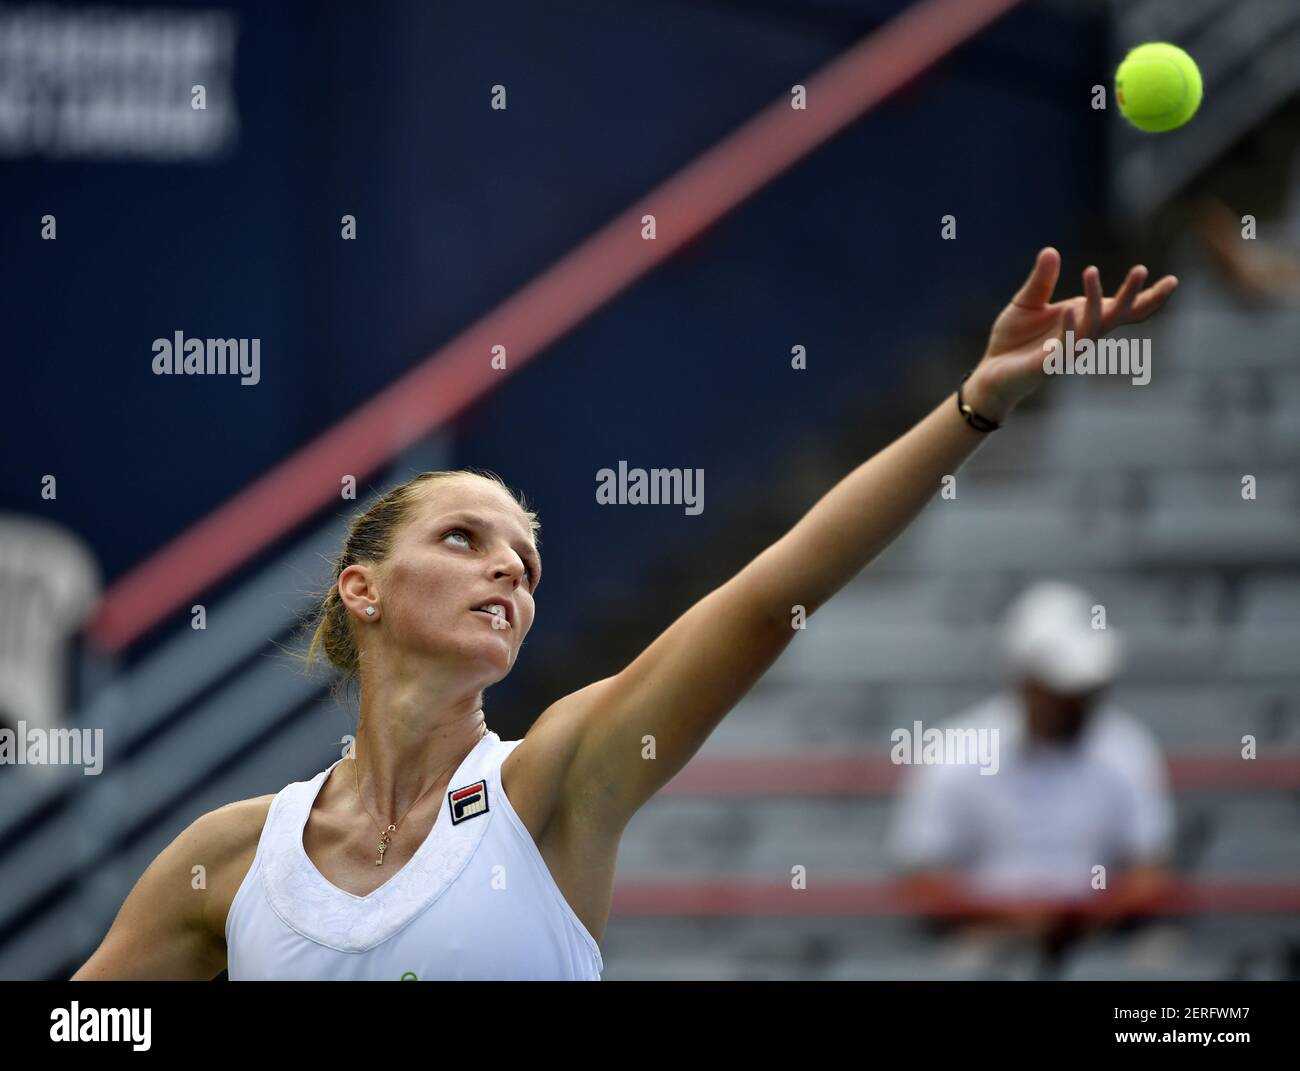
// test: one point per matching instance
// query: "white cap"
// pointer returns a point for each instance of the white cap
(1049, 636)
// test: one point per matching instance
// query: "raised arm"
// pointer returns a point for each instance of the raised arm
(671, 697)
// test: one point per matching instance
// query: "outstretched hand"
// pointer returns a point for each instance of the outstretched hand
(1012, 366)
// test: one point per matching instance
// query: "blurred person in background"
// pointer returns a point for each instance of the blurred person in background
(1012, 857)
(1265, 273)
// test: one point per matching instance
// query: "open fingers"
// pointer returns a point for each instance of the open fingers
(1037, 289)
(1122, 302)
(1150, 300)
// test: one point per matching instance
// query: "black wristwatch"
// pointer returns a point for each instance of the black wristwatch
(979, 423)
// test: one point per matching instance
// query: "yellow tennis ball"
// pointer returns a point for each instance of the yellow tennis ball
(1158, 87)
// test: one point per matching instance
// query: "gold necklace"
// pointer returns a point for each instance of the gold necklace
(385, 835)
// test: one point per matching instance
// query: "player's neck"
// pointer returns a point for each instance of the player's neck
(401, 746)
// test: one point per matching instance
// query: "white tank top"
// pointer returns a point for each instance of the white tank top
(476, 901)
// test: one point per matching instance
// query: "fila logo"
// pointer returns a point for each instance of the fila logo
(467, 802)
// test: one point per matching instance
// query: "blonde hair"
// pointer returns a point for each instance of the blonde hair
(370, 539)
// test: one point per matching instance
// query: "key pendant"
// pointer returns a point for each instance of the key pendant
(383, 845)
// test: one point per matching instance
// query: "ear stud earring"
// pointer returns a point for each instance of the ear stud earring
(370, 611)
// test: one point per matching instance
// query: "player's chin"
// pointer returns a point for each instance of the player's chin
(491, 650)
(477, 651)
(496, 670)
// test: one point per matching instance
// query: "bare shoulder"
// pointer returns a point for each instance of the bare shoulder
(232, 827)
(564, 806)
(537, 775)
(222, 843)
(228, 836)
(172, 925)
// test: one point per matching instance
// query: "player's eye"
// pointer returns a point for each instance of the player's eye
(458, 532)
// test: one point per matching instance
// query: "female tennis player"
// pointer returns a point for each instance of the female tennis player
(435, 850)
